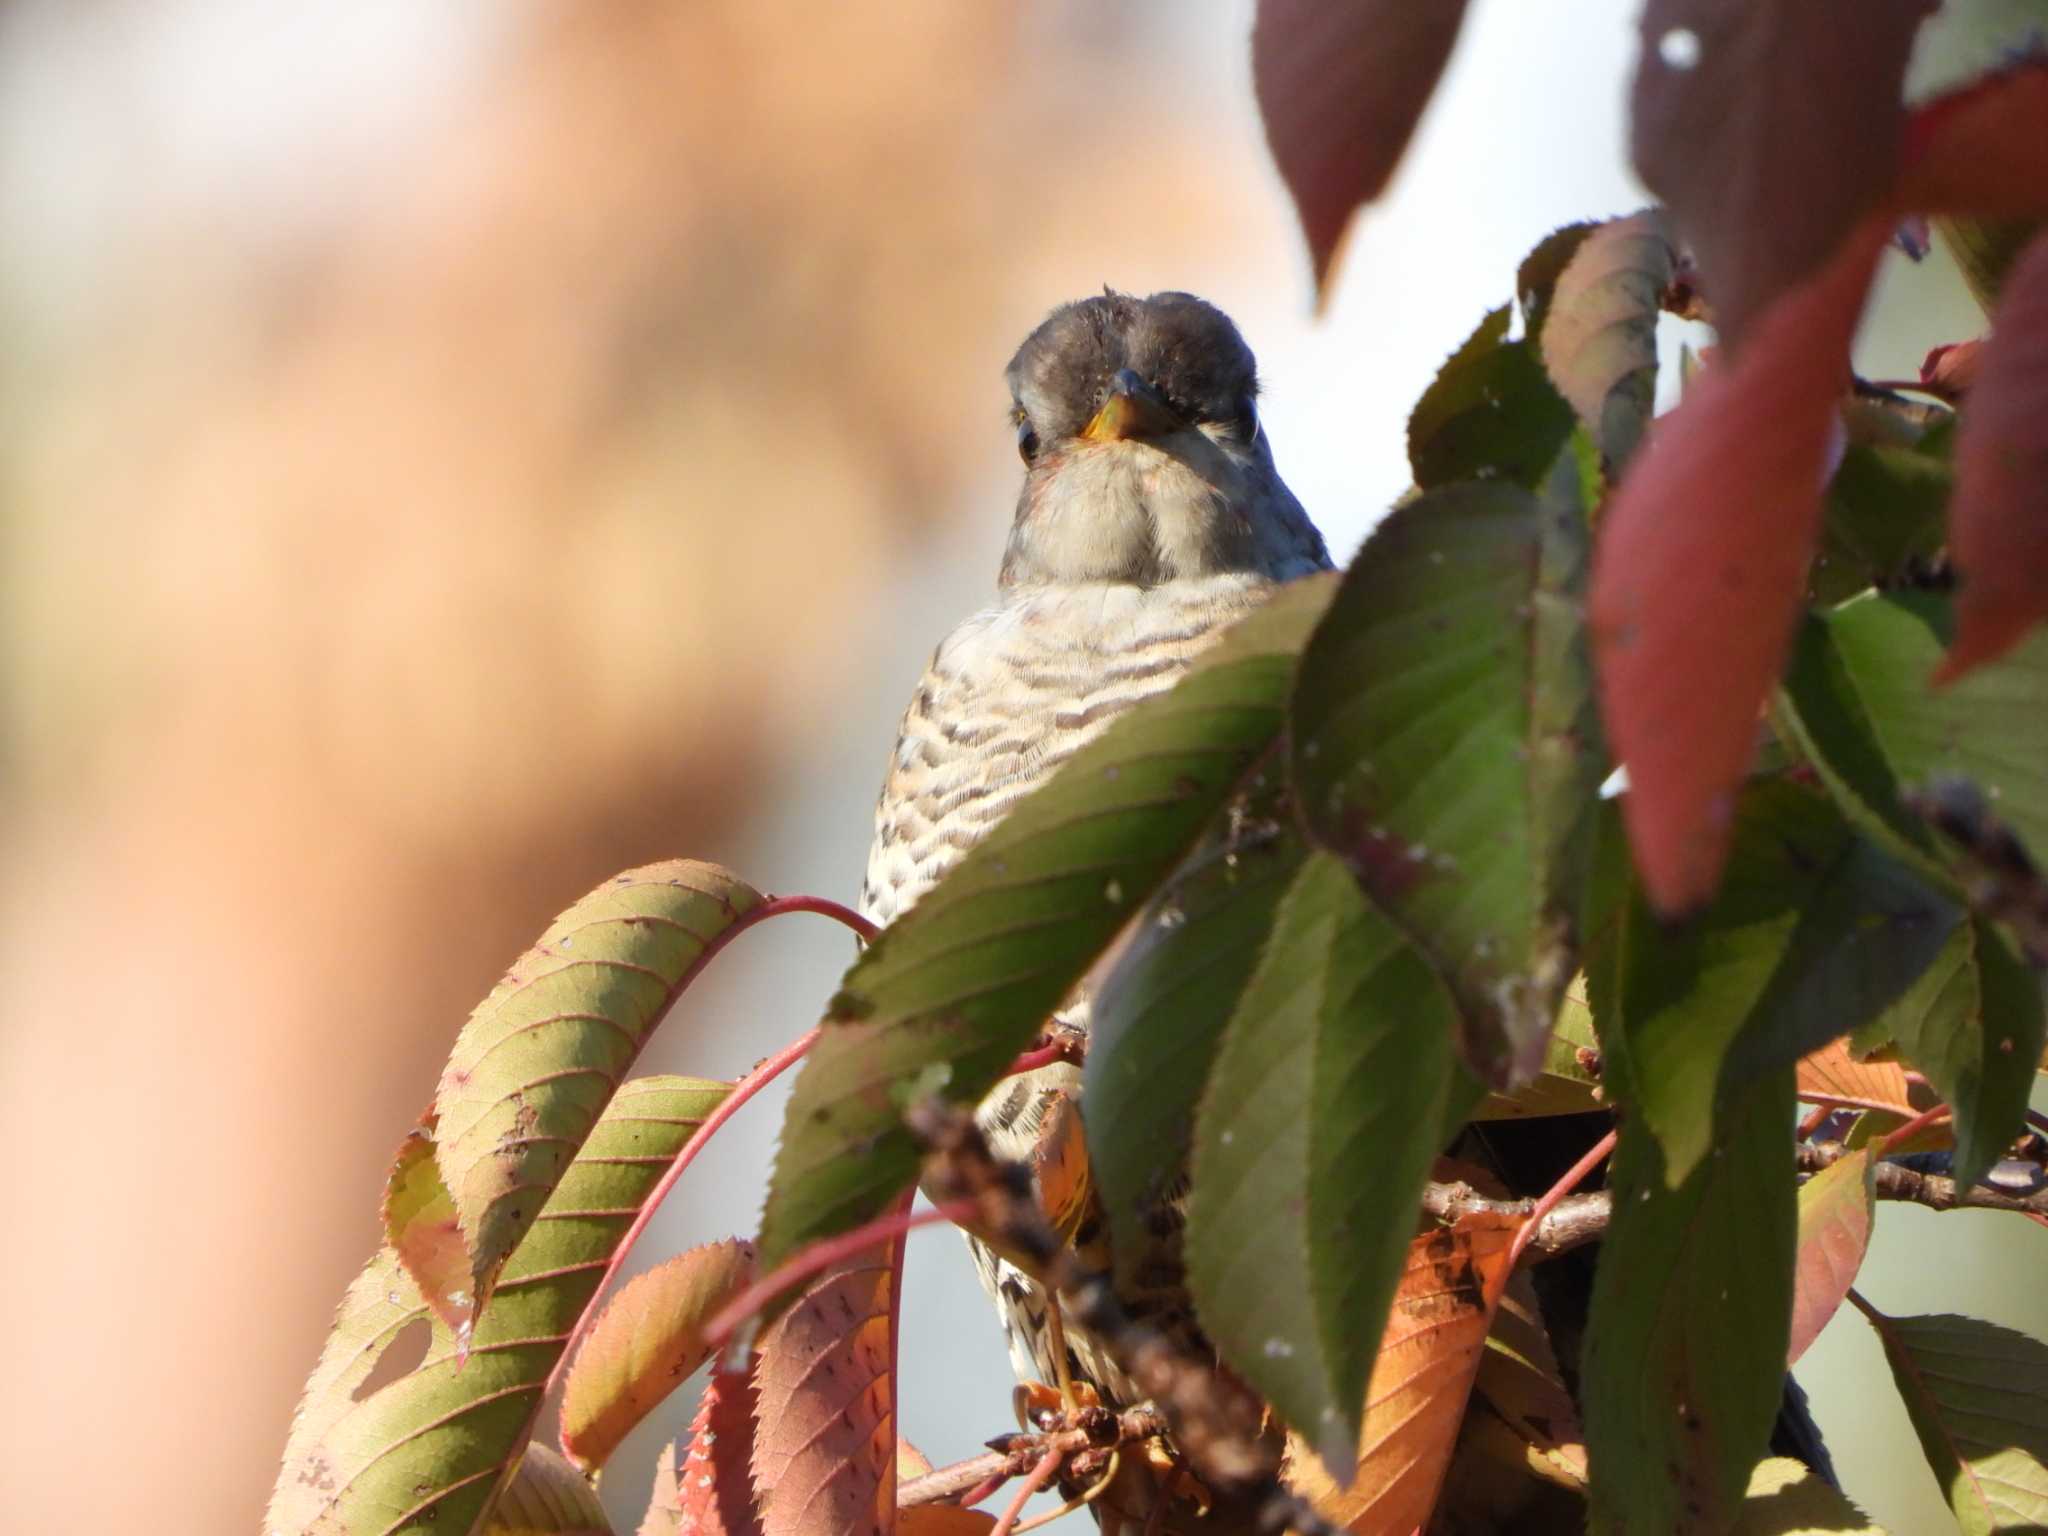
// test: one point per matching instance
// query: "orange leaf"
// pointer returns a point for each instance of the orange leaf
(715, 1492)
(825, 1422)
(1340, 88)
(1836, 1209)
(664, 1515)
(1436, 1334)
(1701, 564)
(910, 1462)
(648, 1339)
(1834, 1069)
(420, 1225)
(1998, 517)
(1983, 150)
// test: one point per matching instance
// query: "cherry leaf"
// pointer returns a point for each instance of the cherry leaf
(715, 1493)
(541, 1056)
(1340, 87)
(1766, 172)
(1699, 570)
(824, 1458)
(420, 1226)
(1998, 520)
(1836, 1209)
(547, 1497)
(649, 1338)
(1434, 1341)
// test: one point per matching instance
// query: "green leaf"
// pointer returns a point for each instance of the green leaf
(1884, 519)
(1444, 746)
(1975, 1026)
(944, 999)
(1536, 278)
(1813, 932)
(535, 1065)
(429, 1450)
(1598, 335)
(1857, 702)
(547, 1497)
(1789, 1498)
(646, 1342)
(1836, 1209)
(1337, 1060)
(1569, 1082)
(1155, 1021)
(1490, 413)
(1978, 1397)
(1857, 705)
(1679, 1402)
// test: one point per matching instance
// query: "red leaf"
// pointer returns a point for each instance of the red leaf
(824, 1457)
(420, 1225)
(714, 1489)
(1949, 371)
(1340, 86)
(1998, 516)
(1982, 150)
(648, 1339)
(1701, 563)
(1836, 1208)
(1771, 128)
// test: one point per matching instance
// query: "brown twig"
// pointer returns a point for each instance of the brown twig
(1017, 1456)
(1217, 1423)
(1572, 1222)
(1895, 1182)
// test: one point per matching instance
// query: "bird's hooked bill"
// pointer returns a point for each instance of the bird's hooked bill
(1134, 409)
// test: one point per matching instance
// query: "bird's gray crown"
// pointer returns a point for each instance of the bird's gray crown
(1187, 348)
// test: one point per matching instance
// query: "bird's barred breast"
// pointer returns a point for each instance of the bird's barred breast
(1011, 694)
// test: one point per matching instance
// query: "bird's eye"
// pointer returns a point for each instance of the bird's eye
(1027, 441)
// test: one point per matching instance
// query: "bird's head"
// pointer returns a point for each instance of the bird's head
(1144, 461)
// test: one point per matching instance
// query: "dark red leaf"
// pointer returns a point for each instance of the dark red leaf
(1998, 516)
(1700, 567)
(1982, 150)
(1340, 85)
(1770, 128)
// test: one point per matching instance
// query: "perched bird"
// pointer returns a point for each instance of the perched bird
(1150, 518)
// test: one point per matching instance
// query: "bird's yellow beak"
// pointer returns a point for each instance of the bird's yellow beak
(1134, 409)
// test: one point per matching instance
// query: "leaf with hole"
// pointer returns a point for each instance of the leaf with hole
(1338, 1057)
(1444, 747)
(1728, 129)
(540, 1057)
(947, 996)
(1679, 1405)
(437, 1442)
(646, 1342)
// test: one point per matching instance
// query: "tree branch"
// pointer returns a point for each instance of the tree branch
(1019, 1453)
(1895, 1182)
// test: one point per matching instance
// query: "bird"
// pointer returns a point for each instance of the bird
(1150, 517)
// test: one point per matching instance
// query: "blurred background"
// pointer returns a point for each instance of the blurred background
(451, 453)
